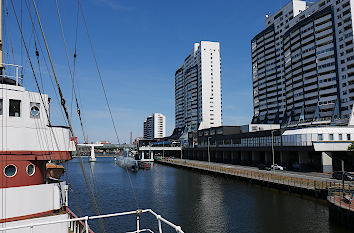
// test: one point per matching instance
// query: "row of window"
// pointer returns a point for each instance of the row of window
(11, 170)
(326, 65)
(15, 108)
(328, 80)
(325, 50)
(331, 137)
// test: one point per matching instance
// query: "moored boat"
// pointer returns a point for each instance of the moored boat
(127, 161)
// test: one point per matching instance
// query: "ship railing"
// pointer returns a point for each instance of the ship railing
(81, 225)
(12, 69)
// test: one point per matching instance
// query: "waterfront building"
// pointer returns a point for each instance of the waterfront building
(318, 149)
(198, 88)
(303, 64)
(155, 126)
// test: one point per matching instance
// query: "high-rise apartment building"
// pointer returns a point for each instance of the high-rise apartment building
(303, 63)
(155, 126)
(198, 88)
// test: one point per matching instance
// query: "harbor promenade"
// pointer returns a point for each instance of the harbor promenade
(314, 184)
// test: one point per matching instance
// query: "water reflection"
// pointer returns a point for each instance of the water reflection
(198, 202)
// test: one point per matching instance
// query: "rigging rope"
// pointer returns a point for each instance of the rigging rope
(71, 74)
(105, 94)
(76, 99)
(99, 72)
(67, 117)
(56, 95)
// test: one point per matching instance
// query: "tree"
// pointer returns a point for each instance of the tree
(351, 147)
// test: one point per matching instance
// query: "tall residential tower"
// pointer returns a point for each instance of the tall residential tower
(303, 64)
(155, 126)
(198, 88)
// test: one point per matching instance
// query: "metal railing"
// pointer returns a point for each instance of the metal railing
(343, 198)
(19, 79)
(287, 179)
(81, 224)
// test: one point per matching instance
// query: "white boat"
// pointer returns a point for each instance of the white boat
(32, 197)
(127, 161)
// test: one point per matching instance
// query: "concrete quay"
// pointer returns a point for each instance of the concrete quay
(341, 206)
(313, 184)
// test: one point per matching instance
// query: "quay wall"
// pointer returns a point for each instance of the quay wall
(307, 185)
(341, 214)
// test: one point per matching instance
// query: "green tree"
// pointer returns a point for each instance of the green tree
(351, 147)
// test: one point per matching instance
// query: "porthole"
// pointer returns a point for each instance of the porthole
(10, 170)
(34, 111)
(30, 169)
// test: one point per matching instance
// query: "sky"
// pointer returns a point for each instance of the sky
(139, 45)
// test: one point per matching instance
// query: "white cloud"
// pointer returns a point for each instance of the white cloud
(113, 4)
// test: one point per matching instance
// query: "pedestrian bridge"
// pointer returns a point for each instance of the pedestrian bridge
(159, 148)
(147, 153)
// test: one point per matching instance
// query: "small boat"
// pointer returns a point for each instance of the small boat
(144, 165)
(127, 161)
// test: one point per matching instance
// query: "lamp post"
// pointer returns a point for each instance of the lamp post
(342, 163)
(181, 149)
(209, 150)
(273, 149)
(163, 150)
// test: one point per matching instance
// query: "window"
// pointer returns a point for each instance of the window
(0, 106)
(15, 108)
(340, 137)
(30, 169)
(35, 110)
(348, 137)
(320, 137)
(331, 137)
(10, 170)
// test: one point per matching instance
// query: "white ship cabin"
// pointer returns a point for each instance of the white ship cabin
(24, 121)
(27, 139)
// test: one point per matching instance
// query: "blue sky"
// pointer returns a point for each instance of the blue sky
(139, 45)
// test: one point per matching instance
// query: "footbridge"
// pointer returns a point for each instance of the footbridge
(148, 152)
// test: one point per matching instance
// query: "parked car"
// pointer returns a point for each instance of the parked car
(338, 176)
(263, 167)
(277, 167)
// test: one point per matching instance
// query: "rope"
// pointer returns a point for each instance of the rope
(56, 95)
(105, 93)
(35, 36)
(71, 74)
(99, 72)
(67, 116)
(76, 100)
(75, 48)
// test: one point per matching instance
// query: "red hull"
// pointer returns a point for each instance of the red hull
(21, 160)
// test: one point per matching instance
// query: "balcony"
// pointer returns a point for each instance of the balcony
(322, 19)
(324, 26)
(327, 32)
(311, 66)
(324, 41)
(329, 91)
(311, 88)
(309, 74)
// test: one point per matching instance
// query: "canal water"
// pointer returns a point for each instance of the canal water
(196, 201)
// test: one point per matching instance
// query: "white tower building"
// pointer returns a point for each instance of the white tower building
(155, 126)
(303, 64)
(198, 88)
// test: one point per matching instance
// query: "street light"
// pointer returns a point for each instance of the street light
(273, 149)
(342, 163)
(209, 150)
(181, 149)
